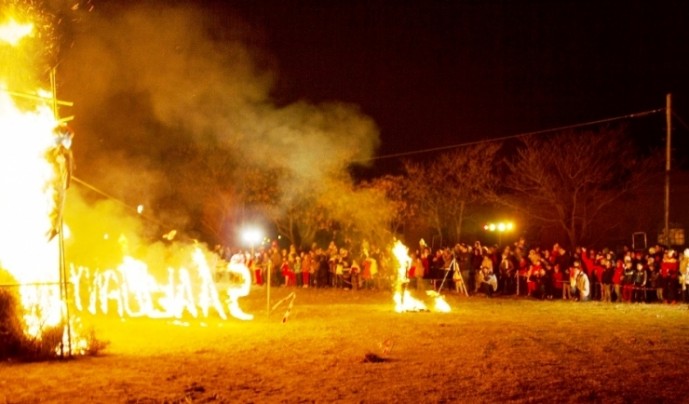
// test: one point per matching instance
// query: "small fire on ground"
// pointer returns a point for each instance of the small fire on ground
(404, 301)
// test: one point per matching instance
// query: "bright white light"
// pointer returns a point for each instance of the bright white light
(501, 227)
(252, 235)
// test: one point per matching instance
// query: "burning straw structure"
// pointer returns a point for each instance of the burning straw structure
(41, 287)
(35, 166)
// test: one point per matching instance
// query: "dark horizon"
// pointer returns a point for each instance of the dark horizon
(435, 74)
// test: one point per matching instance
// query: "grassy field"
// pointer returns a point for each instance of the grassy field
(344, 346)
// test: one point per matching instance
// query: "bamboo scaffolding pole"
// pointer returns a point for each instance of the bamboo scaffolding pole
(35, 97)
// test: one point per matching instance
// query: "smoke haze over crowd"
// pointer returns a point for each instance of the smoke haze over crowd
(154, 83)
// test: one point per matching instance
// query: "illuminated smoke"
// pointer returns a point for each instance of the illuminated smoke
(153, 82)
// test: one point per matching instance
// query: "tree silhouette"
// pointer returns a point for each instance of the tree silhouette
(570, 179)
(447, 190)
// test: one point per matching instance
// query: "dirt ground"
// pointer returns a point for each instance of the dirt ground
(350, 346)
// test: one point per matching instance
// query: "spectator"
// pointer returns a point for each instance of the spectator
(507, 273)
(274, 265)
(669, 270)
(489, 282)
(558, 282)
(640, 279)
(684, 274)
(306, 268)
(571, 292)
(583, 285)
(535, 276)
(607, 280)
(296, 265)
(475, 267)
(287, 270)
(323, 278)
(617, 280)
(627, 279)
(419, 272)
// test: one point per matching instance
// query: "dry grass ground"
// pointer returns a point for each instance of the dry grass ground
(486, 350)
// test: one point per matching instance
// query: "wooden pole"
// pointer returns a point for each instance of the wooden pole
(64, 285)
(668, 160)
(33, 97)
(269, 270)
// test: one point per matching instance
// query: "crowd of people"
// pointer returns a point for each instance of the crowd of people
(655, 274)
(331, 267)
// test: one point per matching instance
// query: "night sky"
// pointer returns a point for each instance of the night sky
(309, 87)
(437, 73)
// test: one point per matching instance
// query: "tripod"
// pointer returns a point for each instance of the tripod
(459, 280)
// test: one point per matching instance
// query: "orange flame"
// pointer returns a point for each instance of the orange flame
(30, 184)
(26, 178)
(135, 292)
(403, 299)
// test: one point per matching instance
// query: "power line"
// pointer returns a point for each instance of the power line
(429, 150)
(680, 120)
(538, 132)
(103, 193)
(115, 199)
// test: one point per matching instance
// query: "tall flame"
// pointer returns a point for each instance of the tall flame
(26, 137)
(403, 299)
(28, 198)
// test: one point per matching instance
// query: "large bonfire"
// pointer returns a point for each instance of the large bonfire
(35, 170)
(29, 148)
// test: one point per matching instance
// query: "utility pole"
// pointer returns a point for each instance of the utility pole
(668, 159)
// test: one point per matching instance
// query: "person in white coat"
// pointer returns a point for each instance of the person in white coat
(583, 285)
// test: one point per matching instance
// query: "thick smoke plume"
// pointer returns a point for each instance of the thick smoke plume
(154, 83)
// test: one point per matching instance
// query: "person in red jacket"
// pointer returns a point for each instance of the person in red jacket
(535, 276)
(669, 271)
(287, 270)
(627, 279)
